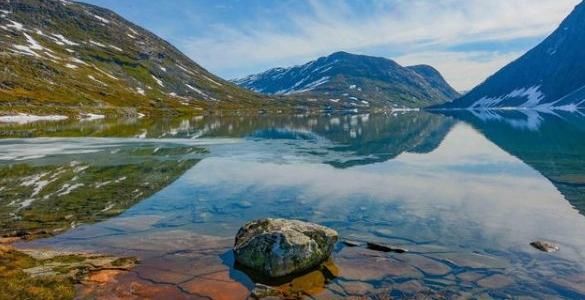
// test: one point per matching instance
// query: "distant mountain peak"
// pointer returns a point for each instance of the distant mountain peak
(355, 81)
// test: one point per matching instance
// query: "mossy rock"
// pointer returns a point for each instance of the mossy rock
(279, 247)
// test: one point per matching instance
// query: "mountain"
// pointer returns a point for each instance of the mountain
(551, 144)
(355, 80)
(63, 55)
(550, 76)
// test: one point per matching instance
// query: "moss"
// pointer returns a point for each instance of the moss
(15, 284)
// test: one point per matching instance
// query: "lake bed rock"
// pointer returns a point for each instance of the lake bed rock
(545, 246)
(280, 247)
(385, 248)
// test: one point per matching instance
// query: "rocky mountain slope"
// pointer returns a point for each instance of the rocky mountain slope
(63, 55)
(550, 76)
(355, 81)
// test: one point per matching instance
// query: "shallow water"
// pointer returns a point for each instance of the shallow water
(465, 194)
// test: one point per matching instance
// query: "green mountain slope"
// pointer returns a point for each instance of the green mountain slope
(68, 56)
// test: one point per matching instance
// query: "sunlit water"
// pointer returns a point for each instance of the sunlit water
(466, 198)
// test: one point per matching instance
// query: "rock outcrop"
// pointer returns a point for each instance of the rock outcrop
(279, 247)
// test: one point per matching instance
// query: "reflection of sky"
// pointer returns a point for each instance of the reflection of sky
(505, 207)
(466, 193)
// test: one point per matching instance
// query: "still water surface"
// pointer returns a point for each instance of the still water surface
(465, 194)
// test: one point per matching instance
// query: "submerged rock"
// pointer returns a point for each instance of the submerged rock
(545, 246)
(385, 248)
(279, 247)
(351, 243)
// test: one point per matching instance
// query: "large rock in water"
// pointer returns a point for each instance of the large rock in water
(279, 247)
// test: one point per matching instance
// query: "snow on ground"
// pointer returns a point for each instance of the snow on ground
(116, 48)
(133, 31)
(30, 49)
(47, 53)
(213, 81)
(185, 69)
(105, 73)
(140, 91)
(102, 19)
(60, 38)
(307, 87)
(532, 94)
(71, 66)
(78, 61)
(15, 25)
(96, 80)
(97, 43)
(196, 90)
(158, 81)
(27, 118)
(163, 68)
(33, 44)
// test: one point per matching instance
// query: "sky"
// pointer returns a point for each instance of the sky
(466, 40)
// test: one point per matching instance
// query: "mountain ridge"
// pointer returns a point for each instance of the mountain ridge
(63, 55)
(355, 80)
(550, 76)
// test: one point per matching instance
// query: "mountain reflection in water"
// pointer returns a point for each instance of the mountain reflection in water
(466, 198)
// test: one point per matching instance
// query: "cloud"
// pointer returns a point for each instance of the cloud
(462, 69)
(394, 27)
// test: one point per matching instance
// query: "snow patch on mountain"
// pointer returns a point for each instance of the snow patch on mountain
(533, 97)
(158, 81)
(102, 19)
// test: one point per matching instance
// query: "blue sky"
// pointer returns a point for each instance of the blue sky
(467, 40)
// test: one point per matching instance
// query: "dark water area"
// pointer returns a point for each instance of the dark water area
(464, 192)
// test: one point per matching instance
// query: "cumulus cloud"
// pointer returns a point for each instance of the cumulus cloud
(407, 28)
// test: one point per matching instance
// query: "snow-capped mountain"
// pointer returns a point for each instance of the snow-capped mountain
(355, 80)
(549, 77)
(66, 55)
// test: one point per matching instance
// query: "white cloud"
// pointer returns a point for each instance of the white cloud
(415, 26)
(462, 69)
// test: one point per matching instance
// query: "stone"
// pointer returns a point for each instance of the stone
(280, 247)
(217, 286)
(356, 288)
(496, 281)
(426, 265)
(351, 243)
(385, 248)
(359, 264)
(545, 246)
(262, 291)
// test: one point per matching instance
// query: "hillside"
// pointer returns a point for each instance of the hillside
(355, 81)
(549, 77)
(68, 56)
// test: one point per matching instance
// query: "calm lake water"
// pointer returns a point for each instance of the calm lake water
(464, 193)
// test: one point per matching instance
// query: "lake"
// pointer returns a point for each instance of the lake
(465, 192)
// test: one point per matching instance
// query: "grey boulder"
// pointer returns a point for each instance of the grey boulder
(280, 247)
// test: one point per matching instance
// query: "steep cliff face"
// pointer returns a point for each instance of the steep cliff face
(550, 76)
